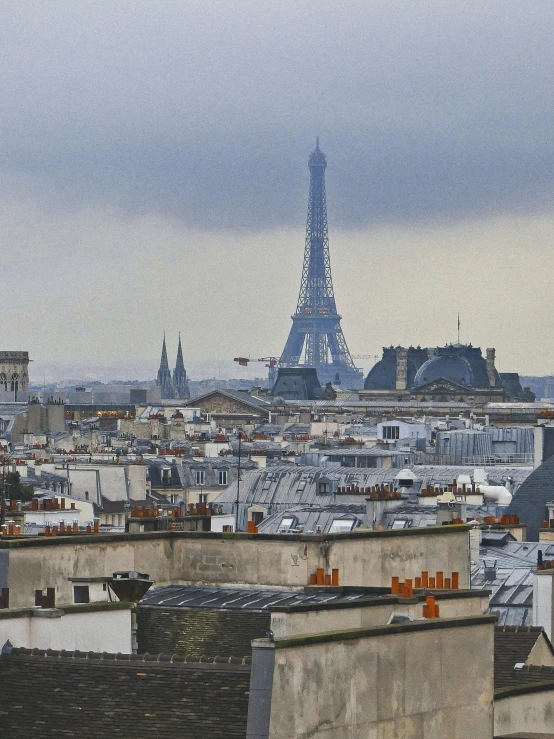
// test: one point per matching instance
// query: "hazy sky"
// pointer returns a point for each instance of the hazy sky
(154, 176)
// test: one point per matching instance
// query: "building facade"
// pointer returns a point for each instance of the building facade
(14, 372)
(453, 373)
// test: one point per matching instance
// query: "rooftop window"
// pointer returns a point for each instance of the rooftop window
(287, 523)
(342, 524)
(400, 523)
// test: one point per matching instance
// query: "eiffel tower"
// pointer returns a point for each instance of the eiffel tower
(316, 338)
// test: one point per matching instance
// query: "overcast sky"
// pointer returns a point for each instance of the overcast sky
(154, 176)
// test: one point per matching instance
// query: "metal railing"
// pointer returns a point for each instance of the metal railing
(492, 460)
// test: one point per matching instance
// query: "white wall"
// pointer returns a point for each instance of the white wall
(106, 630)
(218, 522)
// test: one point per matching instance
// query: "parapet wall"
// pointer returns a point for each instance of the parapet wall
(402, 681)
(369, 558)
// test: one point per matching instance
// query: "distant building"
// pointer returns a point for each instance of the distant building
(180, 382)
(14, 373)
(456, 372)
(176, 386)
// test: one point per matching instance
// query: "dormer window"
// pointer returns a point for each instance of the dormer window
(200, 476)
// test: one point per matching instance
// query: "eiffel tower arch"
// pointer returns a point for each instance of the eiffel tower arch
(316, 338)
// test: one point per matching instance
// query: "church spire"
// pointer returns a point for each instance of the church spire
(163, 380)
(180, 381)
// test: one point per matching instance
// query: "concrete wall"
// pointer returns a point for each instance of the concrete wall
(295, 622)
(105, 628)
(531, 712)
(401, 682)
(368, 558)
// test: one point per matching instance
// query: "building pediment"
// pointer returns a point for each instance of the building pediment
(219, 401)
(444, 386)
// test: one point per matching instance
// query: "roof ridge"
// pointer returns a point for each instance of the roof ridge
(146, 657)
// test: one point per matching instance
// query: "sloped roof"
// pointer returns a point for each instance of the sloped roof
(513, 645)
(124, 695)
(530, 499)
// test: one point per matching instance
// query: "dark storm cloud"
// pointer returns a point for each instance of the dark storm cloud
(206, 111)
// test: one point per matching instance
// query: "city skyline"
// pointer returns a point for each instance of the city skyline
(154, 176)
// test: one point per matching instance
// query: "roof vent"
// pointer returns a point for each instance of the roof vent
(130, 586)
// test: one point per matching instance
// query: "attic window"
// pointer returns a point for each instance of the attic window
(391, 432)
(324, 488)
(301, 486)
(287, 523)
(400, 523)
(342, 524)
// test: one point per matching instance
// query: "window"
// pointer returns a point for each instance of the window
(174, 499)
(287, 523)
(391, 432)
(399, 523)
(166, 476)
(324, 488)
(200, 477)
(227, 528)
(203, 498)
(257, 517)
(342, 524)
(81, 594)
(86, 494)
(222, 477)
(301, 486)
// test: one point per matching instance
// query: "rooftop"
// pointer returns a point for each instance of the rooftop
(51, 693)
(248, 599)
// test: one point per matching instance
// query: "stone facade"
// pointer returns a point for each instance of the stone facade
(14, 371)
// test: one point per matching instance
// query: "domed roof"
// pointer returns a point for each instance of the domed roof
(455, 368)
(382, 376)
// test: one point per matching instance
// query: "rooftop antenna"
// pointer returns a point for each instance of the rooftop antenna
(458, 327)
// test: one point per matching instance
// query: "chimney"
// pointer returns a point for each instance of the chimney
(375, 507)
(543, 599)
(491, 354)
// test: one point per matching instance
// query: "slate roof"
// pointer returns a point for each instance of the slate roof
(243, 599)
(530, 499)
(513, 645)
(512, 565)
(314, 518)
(530, 674)
(87, 695)
(280, 486)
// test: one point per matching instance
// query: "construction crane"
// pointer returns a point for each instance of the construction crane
(271, 364)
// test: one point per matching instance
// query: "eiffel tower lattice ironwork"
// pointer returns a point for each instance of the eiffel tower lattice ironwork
(316, 338)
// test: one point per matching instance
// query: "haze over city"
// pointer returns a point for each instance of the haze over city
(155, 177)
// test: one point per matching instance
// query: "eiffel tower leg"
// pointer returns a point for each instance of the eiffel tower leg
(293, 348)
